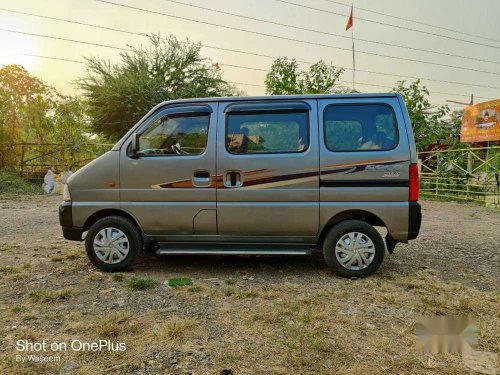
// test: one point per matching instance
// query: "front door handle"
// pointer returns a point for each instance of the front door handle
(201, 178)
(233, 179)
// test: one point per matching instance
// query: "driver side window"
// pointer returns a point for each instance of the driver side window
(176, 134)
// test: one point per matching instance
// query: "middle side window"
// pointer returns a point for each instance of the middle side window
(267, 132)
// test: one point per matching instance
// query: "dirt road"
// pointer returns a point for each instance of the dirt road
(245, 315)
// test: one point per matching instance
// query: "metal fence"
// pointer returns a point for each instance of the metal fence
(466, 174)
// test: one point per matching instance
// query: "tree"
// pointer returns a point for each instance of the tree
(25, 107)
(285, 78)
(69, 121)
(118, 95)
(24, 104)
(32, 111)
(427, 120)
(455, 124)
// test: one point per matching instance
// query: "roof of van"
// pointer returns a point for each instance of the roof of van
(283, 97)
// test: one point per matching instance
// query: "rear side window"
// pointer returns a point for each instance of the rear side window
(267, 132)
(360, 127)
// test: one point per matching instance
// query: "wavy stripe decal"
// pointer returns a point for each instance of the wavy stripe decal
(255, 178)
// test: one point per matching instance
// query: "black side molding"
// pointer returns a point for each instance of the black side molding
(364, 183)
(414, 220)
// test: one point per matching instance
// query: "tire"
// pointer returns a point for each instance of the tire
(367, 257)
(124, 240)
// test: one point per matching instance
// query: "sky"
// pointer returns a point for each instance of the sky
(469, 17)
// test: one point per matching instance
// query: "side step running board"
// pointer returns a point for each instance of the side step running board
(231, 249)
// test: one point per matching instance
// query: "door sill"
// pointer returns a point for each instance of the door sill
(231, 249)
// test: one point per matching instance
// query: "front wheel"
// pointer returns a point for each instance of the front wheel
(353, 248)
(113, 243)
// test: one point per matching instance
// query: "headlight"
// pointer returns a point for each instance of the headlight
(66, 194)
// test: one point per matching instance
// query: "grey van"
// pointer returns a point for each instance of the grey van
(277, 175)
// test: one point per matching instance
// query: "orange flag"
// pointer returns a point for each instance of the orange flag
(350, 21)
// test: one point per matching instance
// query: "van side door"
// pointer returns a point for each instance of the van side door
(268, 169)
(169, 187)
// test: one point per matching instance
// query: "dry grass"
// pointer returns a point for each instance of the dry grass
(354, 327)
(345, 327)
(45, 296)
(8, 269)
(18, 309)
(7, 247)
(71, 255)
(176, 328)
(118, 277)
(95, 276)
(116, 325)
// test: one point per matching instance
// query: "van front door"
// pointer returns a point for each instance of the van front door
(169, 186)
(268, 169)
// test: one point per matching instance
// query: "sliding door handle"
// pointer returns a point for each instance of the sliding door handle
(233, 179)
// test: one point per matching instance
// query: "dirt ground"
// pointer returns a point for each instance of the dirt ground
(245, 315)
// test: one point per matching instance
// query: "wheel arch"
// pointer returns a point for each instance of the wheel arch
(92, 219)
(361, 215)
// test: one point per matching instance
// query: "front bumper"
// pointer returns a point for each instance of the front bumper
(70, 232)
(414, 220)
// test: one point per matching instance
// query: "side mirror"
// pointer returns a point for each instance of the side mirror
(134, 149)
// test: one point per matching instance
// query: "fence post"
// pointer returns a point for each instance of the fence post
(22, 160)
(469, 171)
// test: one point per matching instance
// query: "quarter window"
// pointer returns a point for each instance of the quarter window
(361, 127)
(267, 132)
(176, 134)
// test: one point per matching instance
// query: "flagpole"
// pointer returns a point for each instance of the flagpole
(353, 59)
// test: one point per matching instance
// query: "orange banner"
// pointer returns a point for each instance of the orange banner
(481, 122)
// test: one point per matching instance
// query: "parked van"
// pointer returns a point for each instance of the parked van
(277, 175)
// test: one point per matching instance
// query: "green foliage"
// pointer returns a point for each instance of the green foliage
(141, 283)
(285, 78)
(24, 104)
(455, 124)
(427, 120)
(180, 281)
(119, 95)
(321, 79)
(11, 183)
(31, 111)
(24, 100)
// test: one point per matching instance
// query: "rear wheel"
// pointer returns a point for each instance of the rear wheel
(353, 248)
(113, 243)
